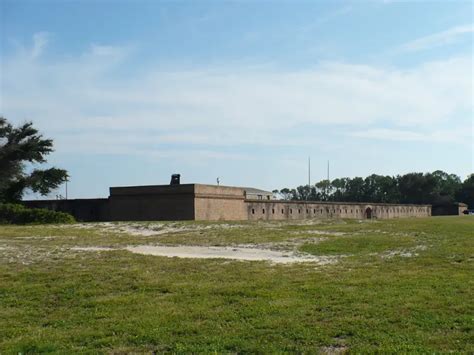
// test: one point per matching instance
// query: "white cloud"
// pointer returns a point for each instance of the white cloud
(82, 100)
(40, 41)
(326, 17)
(438, 39)
(452, 135)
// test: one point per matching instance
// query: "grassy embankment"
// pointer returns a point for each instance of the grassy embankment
(400, 286)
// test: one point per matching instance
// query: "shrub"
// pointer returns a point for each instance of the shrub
(19, 214)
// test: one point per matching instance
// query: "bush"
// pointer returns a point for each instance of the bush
(19, 214)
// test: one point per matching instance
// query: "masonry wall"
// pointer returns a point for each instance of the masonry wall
(152, 203)
(214, 203)
(452, 209)
(290, 210)
(87, 210)
(210, 202)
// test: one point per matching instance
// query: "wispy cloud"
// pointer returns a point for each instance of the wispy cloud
(40, 41)
(326, 17)
(452, 135)
(438, 39)
(84, 100)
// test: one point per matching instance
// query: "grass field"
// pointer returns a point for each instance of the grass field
(395, 286)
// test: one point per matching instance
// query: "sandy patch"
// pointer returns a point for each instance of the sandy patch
(234, 253)
(291, 244)
(335, 349)
(38, 237)
(152, 228)
(251, 254)
(159, 228)
(92, 249)
(404, 253)
(318, 232)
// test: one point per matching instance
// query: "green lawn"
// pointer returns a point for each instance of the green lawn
(399, 286)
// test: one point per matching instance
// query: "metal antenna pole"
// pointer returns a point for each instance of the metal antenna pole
(328, 170)
(329, 184)
(309, 171)
(66, 187)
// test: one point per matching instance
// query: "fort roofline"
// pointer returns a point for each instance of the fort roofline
(216, 202)
(338, 202)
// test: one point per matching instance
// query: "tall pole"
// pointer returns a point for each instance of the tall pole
(328, 185)
(66, 186)
(309, 171)
(328, 170)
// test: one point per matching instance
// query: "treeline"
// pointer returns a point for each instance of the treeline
(434, 188)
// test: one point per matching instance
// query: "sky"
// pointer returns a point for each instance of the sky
(134, 91)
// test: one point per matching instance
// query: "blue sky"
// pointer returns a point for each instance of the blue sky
(133, 91)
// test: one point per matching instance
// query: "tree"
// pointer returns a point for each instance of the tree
(286, 193)
(434, 188)
(417, 188)
(447, 185)
(302, 192)
(276, 193)
(324, 189)
(339, 187)
(18, 147)
(466, 193)
(379, 188)
(354, 190)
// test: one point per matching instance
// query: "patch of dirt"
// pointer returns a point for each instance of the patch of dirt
(335, 349)
(234, 253)
(93, 249)
(152, 229)
(27, 255)
(291, 244)
(40, 237)
(318, 232)
(404, 253)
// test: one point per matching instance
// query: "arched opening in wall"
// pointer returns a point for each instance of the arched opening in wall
(368, 213)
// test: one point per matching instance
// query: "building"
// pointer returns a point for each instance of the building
(449, 209)
(251, 193)
(210, 203)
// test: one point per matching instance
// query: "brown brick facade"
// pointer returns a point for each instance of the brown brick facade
(212, 203)
(282, 210)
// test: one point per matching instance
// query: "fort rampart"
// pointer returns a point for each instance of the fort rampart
(282, 210)
(210, 202)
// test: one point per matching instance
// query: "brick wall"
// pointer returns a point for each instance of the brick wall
(152, 203)
(282, 210)
(87, 210)
(210, 202)
(213, 203)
